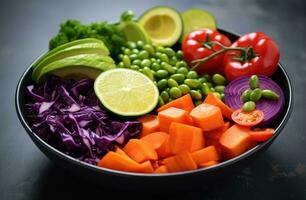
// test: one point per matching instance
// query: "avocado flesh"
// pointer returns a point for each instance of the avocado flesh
(134, 32)
(68, 45)
(64, 66)
(87, 48)
(77, 72)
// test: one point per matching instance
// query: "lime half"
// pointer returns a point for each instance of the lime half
(126, 92)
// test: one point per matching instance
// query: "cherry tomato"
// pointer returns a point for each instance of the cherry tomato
(247, 118)
(261, 56)
(198, 45)
(261, 135)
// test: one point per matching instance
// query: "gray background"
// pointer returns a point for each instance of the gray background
(25, 29)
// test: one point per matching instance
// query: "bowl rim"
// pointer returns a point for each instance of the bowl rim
(98, 169)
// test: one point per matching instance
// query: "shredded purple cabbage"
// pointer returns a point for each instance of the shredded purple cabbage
(67, 115)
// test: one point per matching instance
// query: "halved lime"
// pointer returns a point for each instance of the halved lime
(126, 92)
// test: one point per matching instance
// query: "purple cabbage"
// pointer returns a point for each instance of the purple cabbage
(67, 115)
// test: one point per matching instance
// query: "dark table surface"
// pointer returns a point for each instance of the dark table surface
(26, 27)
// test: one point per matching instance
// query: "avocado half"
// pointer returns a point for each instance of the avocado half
(163, 24)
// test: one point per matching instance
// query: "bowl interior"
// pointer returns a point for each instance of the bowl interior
(280, 76)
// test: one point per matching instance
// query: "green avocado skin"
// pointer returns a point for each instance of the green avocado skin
(91, 64)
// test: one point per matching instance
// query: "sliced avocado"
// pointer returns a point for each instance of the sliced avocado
(68, 65)
(134, 32)
(197, 18)
(87, 48)
(163, 24)
(77, 72)
(67, 45)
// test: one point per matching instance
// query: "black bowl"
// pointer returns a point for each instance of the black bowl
(180, 180)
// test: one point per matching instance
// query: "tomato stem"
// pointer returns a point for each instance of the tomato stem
(247, 53)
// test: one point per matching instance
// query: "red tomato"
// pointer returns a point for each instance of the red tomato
(196, 45)
(262, 57)
(261, 135)
(247, 118)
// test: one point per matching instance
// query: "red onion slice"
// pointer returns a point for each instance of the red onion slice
(271, 108)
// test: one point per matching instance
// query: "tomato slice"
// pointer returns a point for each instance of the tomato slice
(247, 118)
(261, 135)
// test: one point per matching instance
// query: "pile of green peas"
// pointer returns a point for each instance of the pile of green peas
(171, 74)
(254, 93)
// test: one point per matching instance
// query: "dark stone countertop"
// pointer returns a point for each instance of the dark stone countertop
(26, 27)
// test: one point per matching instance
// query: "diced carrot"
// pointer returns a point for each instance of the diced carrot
(213, 100)
(208, 164)
(216, 144)
(146, 167)
(140, 150)
(155, 164)
(184, 137)
(207, 117)
(216, 134)
(158, 140)
(172, 114)
(185, 102)
(116, 161)
(164, 150)
(150, 124)
(235, 141)
(161, 169)
(205, 155)
(180, 162)
(120, 151)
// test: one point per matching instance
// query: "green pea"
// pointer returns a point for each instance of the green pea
(120, 65)
(173, 60)
(160, 101)
(212, 89)
(255, 95)
(202, 80)
(178, 77)
(143, 54)
(161, 73)
(172, 83)
(157, 55)
(164, 95)
(160, 49)
(167, 67)
(147, 71)
(158, 61)
(218, 79)
(184, 89)
(131, 45)
(269, 94)
(195, 94)
(135, 51)
(192, 83)
(180, 64)
(123, 48)
(182, 70)
(205, 89)
(167, 90)
(170, 99)
(207, 76)
(217, 94)
(192, 74)
(134, 67)
(254, 82)
(246, 95)
(197, 102)
(210, 85)
(136, 62)
(164, 58)
(133, 56)
(127, 51)
(219, 88)
(145, 63)
(169, 52)
(139, 44)
(180, 54)
(155, 66)
(222, 96)
(162, 84)
(153, 60)
(175, 92)
(120, 56)
(248, 106)
(126, 61)
(149, 48)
